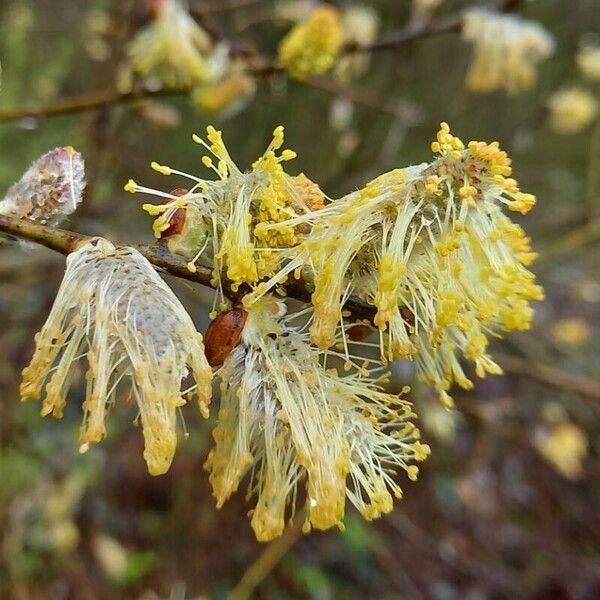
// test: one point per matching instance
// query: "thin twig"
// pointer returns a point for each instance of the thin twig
(82, 103)
(220, 6)
(422, 29)
(408, 34)
(105, 99)
(366, 98)
(267, 561)
(585, 386)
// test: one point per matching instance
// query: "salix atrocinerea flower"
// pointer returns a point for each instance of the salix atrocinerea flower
(289, 421)
(49, 190)
(564, 445)
(313, 47)
(173, 48)
(572, 110)
(222, 216)
(115, 310)
(360, 25)
(431, 249)
(227, 96)
(507, 50)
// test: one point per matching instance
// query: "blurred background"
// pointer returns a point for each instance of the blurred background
(506, 506)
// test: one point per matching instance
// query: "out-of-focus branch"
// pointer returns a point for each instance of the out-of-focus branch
(397, 38)
(265, 68)
(422, 29)
(363, 97)
(548, 375)
(64, 241)
(110, 98)
(81, 103)
(218, 6)
(267, 561)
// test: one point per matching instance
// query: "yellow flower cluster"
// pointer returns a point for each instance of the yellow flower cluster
(507, 50)
(172, 48)
(312, 47)
(173, 51)
(564, 445)
(225, 219)
(431, 249)
(428, 246)
(113, 309)
(575, 107)
(289, 421)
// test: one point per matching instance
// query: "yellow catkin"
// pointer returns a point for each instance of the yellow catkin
(312, 47)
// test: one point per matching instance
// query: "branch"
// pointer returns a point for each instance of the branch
(105, 99)
(82, 103)
(59, 240)
(364, 97)
(64, 241)
(408, 34)
(220, 6)
(546, 374)
(267, 560)
(422, 29)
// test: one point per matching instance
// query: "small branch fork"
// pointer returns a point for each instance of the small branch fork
(423, 29)
(264, 67)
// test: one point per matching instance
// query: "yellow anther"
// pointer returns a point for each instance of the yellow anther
(131, 186)
(162, 169)
(288, 155)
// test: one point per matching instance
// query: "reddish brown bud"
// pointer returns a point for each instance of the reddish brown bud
(407, 315)
(358, 332)
(223, 335)
(176, 223)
